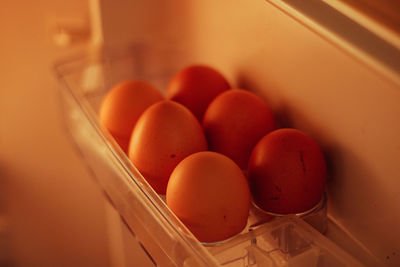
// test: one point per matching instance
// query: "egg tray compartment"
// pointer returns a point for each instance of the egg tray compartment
(284, 241)
(264, 242)
(289, 240)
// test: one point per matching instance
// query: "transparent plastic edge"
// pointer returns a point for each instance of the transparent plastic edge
(149, 197)
(355, 40)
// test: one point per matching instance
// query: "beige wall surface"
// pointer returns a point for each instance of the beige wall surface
(54, 212)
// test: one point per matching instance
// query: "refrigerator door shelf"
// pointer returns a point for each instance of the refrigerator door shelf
(282, 241)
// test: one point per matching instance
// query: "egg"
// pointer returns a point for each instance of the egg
(209, 193)
(122, 106)
(165, 133)
(195, 87)
(287, 172)
(234, 122)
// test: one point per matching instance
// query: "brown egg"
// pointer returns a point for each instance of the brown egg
(210, 195)
(166, 133)
(123, 105)
(234, 122)
(195, 87)
(287, 172)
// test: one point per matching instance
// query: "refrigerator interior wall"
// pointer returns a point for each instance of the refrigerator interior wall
(348, 106)
(51, 211)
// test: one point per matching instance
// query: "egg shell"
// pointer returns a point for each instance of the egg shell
(165, 133)
(234, 122)
(210, 194)
(195, 87)
(287, 172)
(123, 105)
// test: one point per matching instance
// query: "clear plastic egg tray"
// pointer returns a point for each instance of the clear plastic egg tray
(293, 240)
